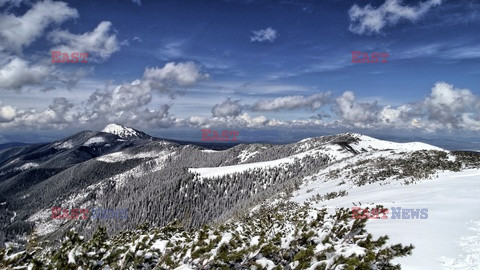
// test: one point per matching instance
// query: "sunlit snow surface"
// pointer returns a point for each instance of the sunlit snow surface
(309, 147)
(95, 141)
(448, 239)
(121, 131)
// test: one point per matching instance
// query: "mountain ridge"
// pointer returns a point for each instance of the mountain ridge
(160, 181)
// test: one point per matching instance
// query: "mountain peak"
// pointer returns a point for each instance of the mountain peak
(123, 131)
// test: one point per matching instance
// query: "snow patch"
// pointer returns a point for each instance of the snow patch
(160, 245)
(63, 145)
(123, 156)
(27, 166)
(246, 154)
(209, 151)
(367, 142)
(209, 172)
(95, 141)
(265, 263)
(121, 131)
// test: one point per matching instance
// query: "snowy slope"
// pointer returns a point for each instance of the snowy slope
(448, 239)
(362, 143)
(95, 141)
(364, 146)
(366, 142)
(224, 170)
(122, 131)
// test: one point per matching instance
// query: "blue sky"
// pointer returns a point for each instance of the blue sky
(164, 66)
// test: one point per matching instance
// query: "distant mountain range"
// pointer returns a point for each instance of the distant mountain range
(11, 144)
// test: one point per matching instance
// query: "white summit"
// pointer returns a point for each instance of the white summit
(123, 131)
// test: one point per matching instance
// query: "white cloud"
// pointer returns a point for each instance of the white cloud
(18, 72)
(198, 121)
(138, 2)
(445, 108)
(355, 113)
(369, 20)
(227, 108)
(471, 121)
(127, 102)
(182, 74)
(243, 120)
(18, 32)
(250, 121)
(99, 44)
(7, 113)
(58, 115)
(267, 34)
(292, 102)
(390, 115)
(446, 104)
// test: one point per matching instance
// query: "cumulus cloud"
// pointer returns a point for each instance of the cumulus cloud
(7, 113)
(471, 121)
(227, 108)
(262, 35)
(19, 32)
(198, 121)
(99, 44)
(396, 116)
(445, 108)
(447, 104)
(126, 102)
(292, 102)
(182, 74)
(250, 121)
(18, 72)
(368, 20)
(243, 120)
(355, 113)
(58, 115)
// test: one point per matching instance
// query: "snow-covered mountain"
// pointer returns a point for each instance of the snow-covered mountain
(161, 182)
(124, 132)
